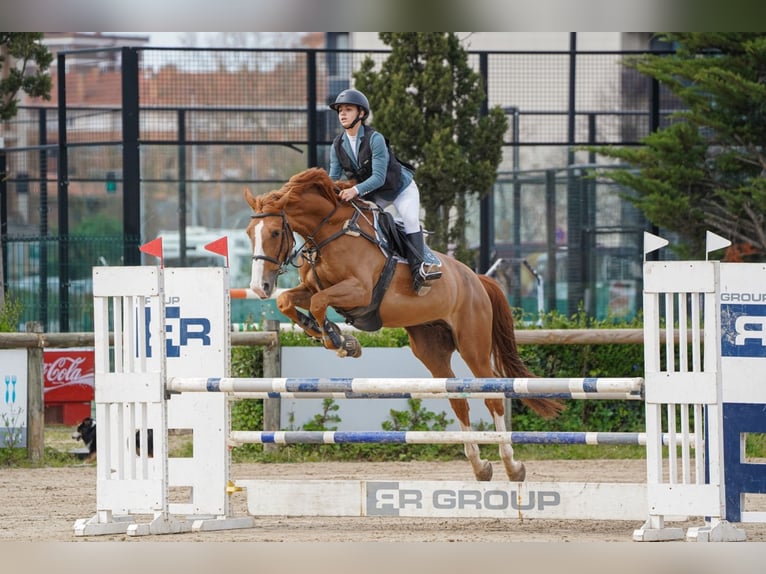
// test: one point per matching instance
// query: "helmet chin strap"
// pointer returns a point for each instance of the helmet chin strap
(356, 121)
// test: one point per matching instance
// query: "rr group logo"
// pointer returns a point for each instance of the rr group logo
(180, 330)
(393, 499)
(743, 325)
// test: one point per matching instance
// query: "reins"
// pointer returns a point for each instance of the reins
(310, 236)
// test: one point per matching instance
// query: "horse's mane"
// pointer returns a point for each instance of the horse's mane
(313, 178)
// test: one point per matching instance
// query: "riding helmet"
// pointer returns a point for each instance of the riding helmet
(353, 97)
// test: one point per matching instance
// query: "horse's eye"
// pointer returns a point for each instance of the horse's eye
(275, 234)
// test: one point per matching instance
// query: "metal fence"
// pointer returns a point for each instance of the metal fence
(141, 142)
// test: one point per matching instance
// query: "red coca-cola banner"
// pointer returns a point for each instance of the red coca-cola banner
(68, 375)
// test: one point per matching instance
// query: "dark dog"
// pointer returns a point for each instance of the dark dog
(86, 431)
(149, 443)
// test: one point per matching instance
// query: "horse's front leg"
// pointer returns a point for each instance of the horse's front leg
(299, 296)
(345, 295)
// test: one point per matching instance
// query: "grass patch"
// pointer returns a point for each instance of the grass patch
(378, 453)
(577, 452)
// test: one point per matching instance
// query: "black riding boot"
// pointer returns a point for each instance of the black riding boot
(422, 273)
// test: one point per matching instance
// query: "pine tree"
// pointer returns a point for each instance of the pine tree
(707, 169)
(427, 100)
(24, 61)
(17, 50)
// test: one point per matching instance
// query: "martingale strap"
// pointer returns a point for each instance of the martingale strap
(350, 227)
(368, 318)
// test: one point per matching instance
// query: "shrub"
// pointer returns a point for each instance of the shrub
(564, 361)
(10, 314)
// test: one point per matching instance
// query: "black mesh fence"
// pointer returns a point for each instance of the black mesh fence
(210, 122)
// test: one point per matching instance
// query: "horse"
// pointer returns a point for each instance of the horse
(339, 265)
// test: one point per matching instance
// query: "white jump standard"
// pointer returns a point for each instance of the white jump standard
(155, 314)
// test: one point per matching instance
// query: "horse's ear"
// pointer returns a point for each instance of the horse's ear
(251, 199)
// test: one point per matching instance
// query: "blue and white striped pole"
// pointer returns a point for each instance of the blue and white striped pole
(574, 388)
(237, 438)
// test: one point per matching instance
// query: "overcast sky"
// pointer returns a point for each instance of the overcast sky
(169, 39)
(220, 39)
(165, 38)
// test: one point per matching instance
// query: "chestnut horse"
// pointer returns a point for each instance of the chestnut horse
(463, 311)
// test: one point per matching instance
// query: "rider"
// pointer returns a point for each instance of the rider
(362, 154)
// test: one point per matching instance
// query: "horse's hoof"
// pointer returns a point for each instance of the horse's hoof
(519, 474)
(351, 347)
(485, 474)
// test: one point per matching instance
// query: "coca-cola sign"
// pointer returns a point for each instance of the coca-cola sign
(68, 375)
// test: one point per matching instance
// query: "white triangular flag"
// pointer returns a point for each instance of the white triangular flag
(714, 242)
(653, 242)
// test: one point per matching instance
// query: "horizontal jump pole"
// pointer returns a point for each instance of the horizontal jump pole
(463, 387)
(349, 395)
(237, 438)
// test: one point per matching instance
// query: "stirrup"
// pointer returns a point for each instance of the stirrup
(429, 271)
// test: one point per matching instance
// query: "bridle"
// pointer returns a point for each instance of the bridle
(285, 243)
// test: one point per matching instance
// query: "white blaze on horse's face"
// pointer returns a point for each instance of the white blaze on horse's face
(257, 273)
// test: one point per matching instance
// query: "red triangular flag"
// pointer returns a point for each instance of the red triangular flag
(220, 246)
(154, 248)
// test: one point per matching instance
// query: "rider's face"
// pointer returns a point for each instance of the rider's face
(347, 114)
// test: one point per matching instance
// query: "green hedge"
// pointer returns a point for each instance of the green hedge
(564, 361)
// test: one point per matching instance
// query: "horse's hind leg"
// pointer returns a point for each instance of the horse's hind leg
(433, 345)
(479, 367)
(476, 353)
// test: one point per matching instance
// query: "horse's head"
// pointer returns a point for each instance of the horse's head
(298, 206)
(302, 205)
(271, 240)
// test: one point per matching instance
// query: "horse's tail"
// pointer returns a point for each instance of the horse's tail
(505, 355)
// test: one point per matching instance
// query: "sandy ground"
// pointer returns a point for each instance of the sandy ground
(42, 505)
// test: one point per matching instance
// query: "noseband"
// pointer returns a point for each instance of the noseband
(287, 234)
